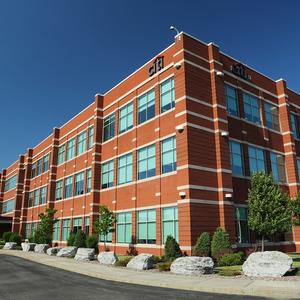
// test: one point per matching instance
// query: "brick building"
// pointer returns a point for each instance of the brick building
(170, 150)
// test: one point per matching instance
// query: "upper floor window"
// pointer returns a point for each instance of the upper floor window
(36, 197)
(251, 108)
(81, 143)
(91, 137)
(61, 154)
(43, 196)
(79, 183)
(167, 95)
(88, 180)
(272, 116)
(125, 169)
(109, 127)
(236, 157)
(294, 125)
(126, 118)
(256, 159)
(39, 167)
(168, 155)
(71, 149)
(231, 100)
(107, 177)
(58, 190)
(46, 163)
(30, 199)
(278, 167)
(33, 170)
(10, 183)
(8, 206)
(146, 162)
(68, 187)
(298, 169)
(146, 106)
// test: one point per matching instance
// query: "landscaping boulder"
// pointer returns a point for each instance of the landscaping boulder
(192, 265)
(267, 264)
(67, 252)
(107, 258)
(41, 248)
(141, 262)
(10, 246)
(53, 251)
(26, 247)
(85, 254)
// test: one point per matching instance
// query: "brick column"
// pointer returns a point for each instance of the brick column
(2, 182)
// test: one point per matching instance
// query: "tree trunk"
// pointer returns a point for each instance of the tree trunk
(262, 244)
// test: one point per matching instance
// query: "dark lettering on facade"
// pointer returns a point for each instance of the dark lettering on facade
(157, 65)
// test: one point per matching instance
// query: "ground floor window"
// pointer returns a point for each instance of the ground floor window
(170, 222)
(241, 223)
(27, 230)
(66, 229)
(87, 225)
(56, 231)
(124, 227)
(108, 237)
(77, 224)
(146, 226)
(34, 226)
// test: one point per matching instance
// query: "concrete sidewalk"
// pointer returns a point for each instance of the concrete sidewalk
(214, 284)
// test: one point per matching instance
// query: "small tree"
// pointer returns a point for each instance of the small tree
(220, 243)
(44, 231)
(203, 244)
(80, 239)
(295, 207)
(71, 239)
(172, 249)
(269, 208)
(103, 225)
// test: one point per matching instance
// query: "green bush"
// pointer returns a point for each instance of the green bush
(15, 238)
(220, 243)
(164, 266)
(231, 259)
(123, 261)
(203, 244)
(172, 249)
(71, 239)
(158, 259)
(92, 241)
(2, 242)
(229, 272)
(6, 236)
(31, 239)
(80, 239)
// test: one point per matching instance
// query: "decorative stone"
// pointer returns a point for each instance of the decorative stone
(10, 246)
(192, 265)
(85, 254)
(141, 262)
(53, 251)
(107, 258)
(67, 252)
(41, 248)
(267, 264)
(26, 247)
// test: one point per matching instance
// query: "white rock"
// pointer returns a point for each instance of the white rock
(85, 254)
(26, 247)
(53, 250)
(192, 265)
(67, 252)
(107, 258)
(141, 262)
(10, 246)
(267, 264)
(41, 248)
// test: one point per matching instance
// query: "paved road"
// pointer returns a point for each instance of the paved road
(25, 280)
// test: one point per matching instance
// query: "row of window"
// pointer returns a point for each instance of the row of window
(8, 206)
(10, 183)
(76, 146)
(41, 166)
(37, 197)
(145, 109)
(257, 161)
(146, 165)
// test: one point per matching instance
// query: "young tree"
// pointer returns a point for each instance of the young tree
(203, 245)
(295, 206)
(269, 210)
(220, 243)
(103, 225)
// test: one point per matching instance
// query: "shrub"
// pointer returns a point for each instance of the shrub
(220, 244)
(172, 249)
(92, 241)
(31, 239)
(202, 247)
(6, 236)
(164, 266)
(79, 240)
(15, 238)
(71, 239)
(123, 261)
(157, 259)
(231, 259)
(2, 242)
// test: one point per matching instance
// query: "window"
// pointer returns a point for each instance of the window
(71, 149)
(146, 226)
(34, 226)
(256, 159)
(251, 108)
(8, 206)
(79, 183)
(241, 223)
(56, 231)
(124, 227)
(107, 177)
(236, 156)
(126, 118)
(66, 229)
(33, 170)
(167, 95)
(107, 238)
(27, 230)
(39, 167)
(10, 183)
(30, 199)
(88, 180)
(81, 143)
(77, 224)
(170, 222)
(168, 155)
(298, 169)
(109, 127)
(43, 192)
(125, 169)
(91, 137)
(87, 225)
(36, 197)
(58, 190)
(272, 117)
(231, 100)
(146, 106)
(61, 154)
(46, 163)
(278, 167)
(68, 187)
(294, 125)
(146, 162)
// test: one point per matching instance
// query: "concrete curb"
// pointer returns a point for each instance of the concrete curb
(210, 284)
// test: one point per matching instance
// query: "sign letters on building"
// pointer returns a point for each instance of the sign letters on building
(157, 65)
(240, 70)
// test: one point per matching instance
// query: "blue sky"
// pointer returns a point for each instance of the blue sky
(56, 54)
